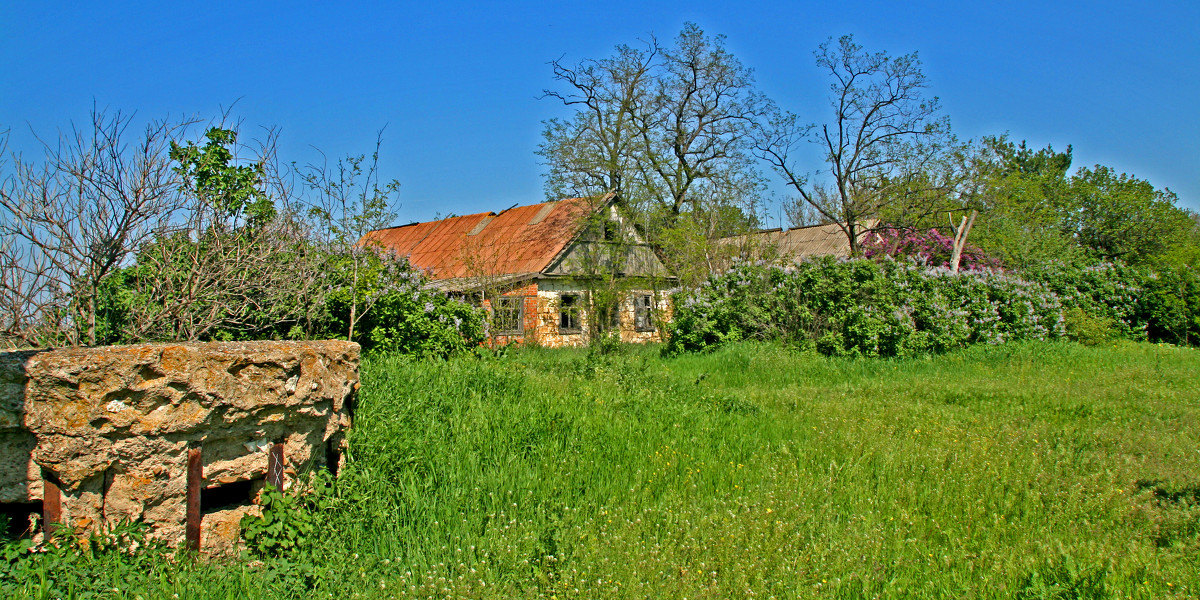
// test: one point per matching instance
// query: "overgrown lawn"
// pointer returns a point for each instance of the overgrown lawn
(1039, 470)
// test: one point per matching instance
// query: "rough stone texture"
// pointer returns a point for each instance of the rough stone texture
(113, 425)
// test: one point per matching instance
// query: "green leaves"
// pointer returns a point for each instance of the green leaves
(211, 173)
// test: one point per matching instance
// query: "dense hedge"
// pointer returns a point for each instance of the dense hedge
(889, 308)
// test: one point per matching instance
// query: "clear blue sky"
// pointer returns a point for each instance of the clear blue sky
(457, 83)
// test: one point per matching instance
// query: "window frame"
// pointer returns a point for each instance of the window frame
(643, 316)
(571, 312)
(518, 306)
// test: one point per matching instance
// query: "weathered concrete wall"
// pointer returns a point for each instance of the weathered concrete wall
(112, 426)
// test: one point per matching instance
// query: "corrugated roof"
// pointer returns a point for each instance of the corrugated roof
(522, 239)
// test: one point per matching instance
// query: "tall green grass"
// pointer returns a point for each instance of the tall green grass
(1041, 470)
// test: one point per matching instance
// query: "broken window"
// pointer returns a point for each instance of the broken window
(608, 316)
(569, 312)
(643, 312)
(508, 315)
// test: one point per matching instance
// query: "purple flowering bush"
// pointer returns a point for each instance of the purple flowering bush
(928, 247)
(864, 307)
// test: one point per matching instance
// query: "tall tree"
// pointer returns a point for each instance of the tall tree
(886, 144)
(1026, 204)
(1121, 217)
(595, 152)
(661, 129)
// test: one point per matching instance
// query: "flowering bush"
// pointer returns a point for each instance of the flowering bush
(400, 314)
(929, 247)
(891, 308)
(864, 307)
(1139, 303)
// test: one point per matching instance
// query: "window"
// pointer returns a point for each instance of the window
(643, 312)
(569, 307)
(508, 315)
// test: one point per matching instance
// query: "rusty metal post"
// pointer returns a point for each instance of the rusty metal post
(275, 466)
(194, 476)
(51, 505)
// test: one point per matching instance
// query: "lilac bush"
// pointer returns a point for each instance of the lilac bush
(928, 246)
(865, 307)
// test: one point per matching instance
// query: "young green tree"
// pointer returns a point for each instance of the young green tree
(236, 266)
(351, 200)
(1026, 204)
(1121, 217)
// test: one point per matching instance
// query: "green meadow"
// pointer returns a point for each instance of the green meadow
(1036, 470)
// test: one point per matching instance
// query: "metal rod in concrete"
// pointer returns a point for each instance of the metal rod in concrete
(195, 475)
(51, 505)
(275, 466)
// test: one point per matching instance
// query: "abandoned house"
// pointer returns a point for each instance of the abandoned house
(550, 274)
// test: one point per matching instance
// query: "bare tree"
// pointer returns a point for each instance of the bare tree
(698, 128)
(596, 151)
(886, 146)
(71, 221)
(668, 132)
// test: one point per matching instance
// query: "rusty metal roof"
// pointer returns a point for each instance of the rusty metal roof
(520, 240)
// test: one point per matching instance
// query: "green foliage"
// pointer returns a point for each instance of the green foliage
(862, 307)
(101, 565)
(290, 519)
(422, 322)
(1035, 213)
(1173, 305)
(1028, 469)
(1161, 305)
(405, 316)
(1088, 329)
(1125, 218)
(210, 173)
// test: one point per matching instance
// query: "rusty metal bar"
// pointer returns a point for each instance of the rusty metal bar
(195, 475)
(51, 505)
(275, 466)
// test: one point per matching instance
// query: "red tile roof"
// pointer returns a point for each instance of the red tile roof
(520, 240)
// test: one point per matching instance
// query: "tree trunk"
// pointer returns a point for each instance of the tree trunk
(960, 239)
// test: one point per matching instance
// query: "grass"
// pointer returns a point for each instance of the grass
(1022, 471)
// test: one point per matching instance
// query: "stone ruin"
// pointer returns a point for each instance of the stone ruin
(180, 436)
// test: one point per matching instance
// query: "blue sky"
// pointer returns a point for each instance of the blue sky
(457, 83)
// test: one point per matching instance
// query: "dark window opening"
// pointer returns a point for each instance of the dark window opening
(333, 456)
(508, 315)
(643, 312)
(229, 495)
(569, 307)
(610, 231)
(16, 518)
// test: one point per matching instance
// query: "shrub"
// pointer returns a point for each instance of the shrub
(1087, 328)
(927, 246)
(863, 307)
